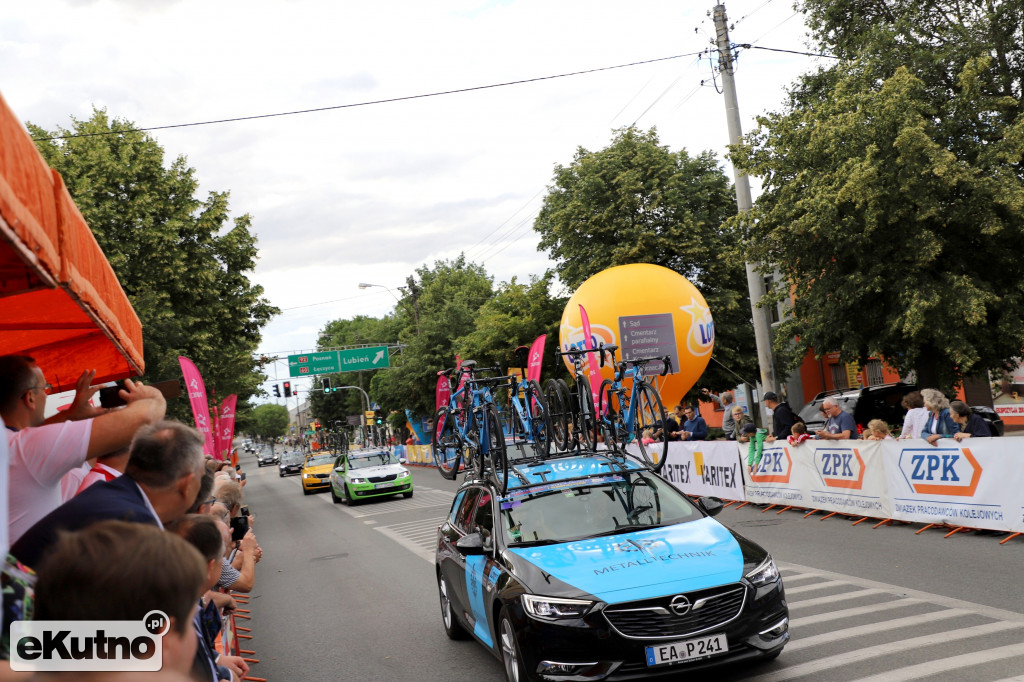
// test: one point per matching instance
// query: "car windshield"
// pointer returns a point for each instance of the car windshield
(375, 460)
(619, 503)
(291, 457)
(317, 460)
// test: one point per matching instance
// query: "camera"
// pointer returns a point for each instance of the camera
(239, 527)
(111, 396)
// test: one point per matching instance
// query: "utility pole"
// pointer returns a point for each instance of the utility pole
(755, 282)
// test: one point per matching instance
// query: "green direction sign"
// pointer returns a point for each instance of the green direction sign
(313, 363)
(356, 359)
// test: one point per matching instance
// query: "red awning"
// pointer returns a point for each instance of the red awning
(60, 301)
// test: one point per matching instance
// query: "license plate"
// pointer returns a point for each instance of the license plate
(687, 650)
(390, 484)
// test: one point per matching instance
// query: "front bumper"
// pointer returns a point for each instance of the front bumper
(591, 649)
(315, 483)
(367, 490)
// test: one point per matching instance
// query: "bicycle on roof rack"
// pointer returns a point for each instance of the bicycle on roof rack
(470, 426)
(572, 422)
(624, 417)
(527, 410)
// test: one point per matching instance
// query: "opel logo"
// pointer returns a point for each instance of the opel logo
(679, 605)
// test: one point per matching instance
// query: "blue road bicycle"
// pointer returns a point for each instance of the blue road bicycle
(635, 416)
(469, 427)
(526, 416)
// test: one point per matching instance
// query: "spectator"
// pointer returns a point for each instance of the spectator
(725, 400)
(798, 434)
(781, 414)
(877, 430)
(939, 423)
(739, 419)
(106, 468)
(694, 426)
(971, 425)
(42, 450)
(240, 578)
(669, 429)
(161, 482)
(917, 415)
(840, 425)
(756, 437)
(202, 532)
(122, 571)
(204, 501)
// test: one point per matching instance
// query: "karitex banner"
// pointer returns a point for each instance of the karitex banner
(197, 399)
(701, 467)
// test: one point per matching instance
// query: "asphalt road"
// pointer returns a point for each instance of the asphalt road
(350, 594)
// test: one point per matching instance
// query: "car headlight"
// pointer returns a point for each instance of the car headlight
(404, 474)
(764, 574)
(357, 480)
(553, 608)
(305, 475)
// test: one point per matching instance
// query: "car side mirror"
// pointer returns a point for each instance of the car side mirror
(403, 460)
(470, 545)
(711, 505)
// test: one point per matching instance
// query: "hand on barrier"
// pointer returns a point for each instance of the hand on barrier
(235, 664)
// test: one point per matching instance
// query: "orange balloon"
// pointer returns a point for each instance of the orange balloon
(647, 311)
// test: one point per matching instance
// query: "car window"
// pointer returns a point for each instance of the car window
(483, 521)
(317, 460)
(464, 516)
(339, 462)
(455, 507)
(617, 504)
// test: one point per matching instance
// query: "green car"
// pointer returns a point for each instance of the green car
(363, 474)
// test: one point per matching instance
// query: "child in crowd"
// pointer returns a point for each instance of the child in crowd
(798, 434)
(647, 437)
(756, 437)
(877, 430)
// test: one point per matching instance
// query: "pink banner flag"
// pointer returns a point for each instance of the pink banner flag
(218, 447)
(536, 358)
(197, 398)
(593, 372)
(226, 425)
(443, 392)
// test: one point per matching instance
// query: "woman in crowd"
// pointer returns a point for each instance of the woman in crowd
(939, 423)
(917, 415)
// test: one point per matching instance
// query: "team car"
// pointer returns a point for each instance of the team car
(291, 463)
(361, 475)
(266, 456)
(316, 472)
(592, 567)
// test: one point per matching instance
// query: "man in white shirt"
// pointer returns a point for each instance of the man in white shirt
(43, 450)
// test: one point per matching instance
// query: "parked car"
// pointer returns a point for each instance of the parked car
(879, 402)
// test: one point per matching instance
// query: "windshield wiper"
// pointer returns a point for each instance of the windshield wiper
(628, 528)
(532, 543)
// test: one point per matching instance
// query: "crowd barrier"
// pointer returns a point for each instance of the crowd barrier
(232, 634)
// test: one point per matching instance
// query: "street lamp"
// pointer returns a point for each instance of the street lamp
(364, 285)
(416, 312)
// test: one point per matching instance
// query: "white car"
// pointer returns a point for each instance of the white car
(360, 475)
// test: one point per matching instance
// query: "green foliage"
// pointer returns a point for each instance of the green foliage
(182, 261)
(893, 200)
(639, 202)
(269, 420)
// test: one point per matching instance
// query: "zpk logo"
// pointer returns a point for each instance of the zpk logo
(775, 466)
(840, 468)
(938, 471)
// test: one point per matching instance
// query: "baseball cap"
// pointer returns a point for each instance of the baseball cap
(770, 395)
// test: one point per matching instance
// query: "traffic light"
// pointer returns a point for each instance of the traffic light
(287, 389)
(379, 417)
(327, 384)
(277, 391)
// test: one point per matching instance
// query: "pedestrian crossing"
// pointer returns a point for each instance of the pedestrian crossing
(419, 536)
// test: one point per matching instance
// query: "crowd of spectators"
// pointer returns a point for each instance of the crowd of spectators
(118, 512)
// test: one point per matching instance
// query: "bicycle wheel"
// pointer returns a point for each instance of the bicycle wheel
(497, 457)
(538, 418)
(609, 420)
(558, 418)
(650, 414)
(587, 423)
(644, 505)
(445, 444)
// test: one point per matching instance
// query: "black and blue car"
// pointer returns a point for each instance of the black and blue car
(591, 567)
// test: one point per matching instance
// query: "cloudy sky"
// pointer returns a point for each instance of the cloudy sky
(369, 193)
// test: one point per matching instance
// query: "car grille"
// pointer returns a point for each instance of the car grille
(652, 618)
(322, 475)
(382, 479)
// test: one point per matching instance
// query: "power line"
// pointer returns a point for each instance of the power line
(778, 49)
(364, 104)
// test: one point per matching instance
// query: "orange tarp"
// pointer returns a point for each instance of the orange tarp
(60, 301)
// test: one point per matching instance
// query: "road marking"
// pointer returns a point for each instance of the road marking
(419, 537)
(944, 665)
(832, 599)
(810, 588)
(910, 621)
(856, 611)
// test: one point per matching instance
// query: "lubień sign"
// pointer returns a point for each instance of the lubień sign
(355, 359)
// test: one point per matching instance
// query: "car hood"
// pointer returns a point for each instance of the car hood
(639, 565)
(382, 470)
(319, 469)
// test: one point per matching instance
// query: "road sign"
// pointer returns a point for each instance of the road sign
(313, 363)
(649, 336)
(370, 414)
(354, 359)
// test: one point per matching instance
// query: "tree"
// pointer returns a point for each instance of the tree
(182, 262)
(893, 200)
(269, 420)
(638, 202)
(448, 298)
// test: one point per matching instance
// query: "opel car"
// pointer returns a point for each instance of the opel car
(291, 463)
(316, 472)
(266, 456)
(362, 475)
(594, 568)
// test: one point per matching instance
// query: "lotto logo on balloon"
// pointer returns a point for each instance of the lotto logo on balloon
(648, 311)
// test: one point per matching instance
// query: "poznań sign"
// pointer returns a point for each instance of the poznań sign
(332, 362)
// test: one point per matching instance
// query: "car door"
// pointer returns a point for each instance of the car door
(453, 564)
(480, 580)
(338, 474)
